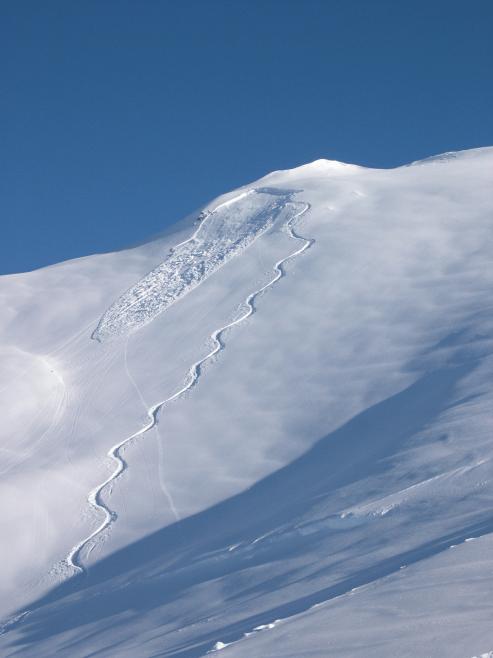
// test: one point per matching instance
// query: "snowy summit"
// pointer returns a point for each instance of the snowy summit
(267, 433)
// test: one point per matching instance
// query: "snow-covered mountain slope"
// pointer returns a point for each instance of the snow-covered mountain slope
(263, 415)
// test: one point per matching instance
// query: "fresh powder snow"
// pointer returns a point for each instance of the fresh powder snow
(267, 433)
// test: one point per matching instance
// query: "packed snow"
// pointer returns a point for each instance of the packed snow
(280, 442)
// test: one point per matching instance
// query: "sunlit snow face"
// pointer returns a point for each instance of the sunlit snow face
(223, 233)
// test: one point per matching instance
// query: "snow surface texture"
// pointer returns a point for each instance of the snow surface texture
(279, 445)
(223, 233)
(121, 320)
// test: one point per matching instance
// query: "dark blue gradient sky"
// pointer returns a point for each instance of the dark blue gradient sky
(119, 117)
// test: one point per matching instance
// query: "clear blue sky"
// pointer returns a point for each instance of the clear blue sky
(119, 117)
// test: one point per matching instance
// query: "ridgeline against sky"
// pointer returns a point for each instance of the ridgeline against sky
(119, 118)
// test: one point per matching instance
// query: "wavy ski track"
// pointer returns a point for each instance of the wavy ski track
(162, 482)
(95, 496)
(207, 215)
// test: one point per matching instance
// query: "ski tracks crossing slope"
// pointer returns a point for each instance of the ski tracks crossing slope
(95, 496)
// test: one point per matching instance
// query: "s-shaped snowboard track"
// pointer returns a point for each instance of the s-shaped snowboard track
(94, 498)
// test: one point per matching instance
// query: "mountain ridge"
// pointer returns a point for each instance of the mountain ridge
(339, 432)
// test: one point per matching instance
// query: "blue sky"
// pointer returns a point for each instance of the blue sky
(120, 117)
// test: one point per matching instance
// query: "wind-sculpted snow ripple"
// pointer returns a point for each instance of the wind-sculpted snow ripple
(223, 233)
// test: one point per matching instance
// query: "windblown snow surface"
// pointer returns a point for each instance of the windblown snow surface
(266, 434)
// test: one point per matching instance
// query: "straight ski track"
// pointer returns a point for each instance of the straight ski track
(94, 498)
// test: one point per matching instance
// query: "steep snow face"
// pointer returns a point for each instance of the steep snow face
(223, 233)
(287, 403)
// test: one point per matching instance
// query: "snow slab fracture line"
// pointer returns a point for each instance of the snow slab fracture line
(190, 239)
(95, 495)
